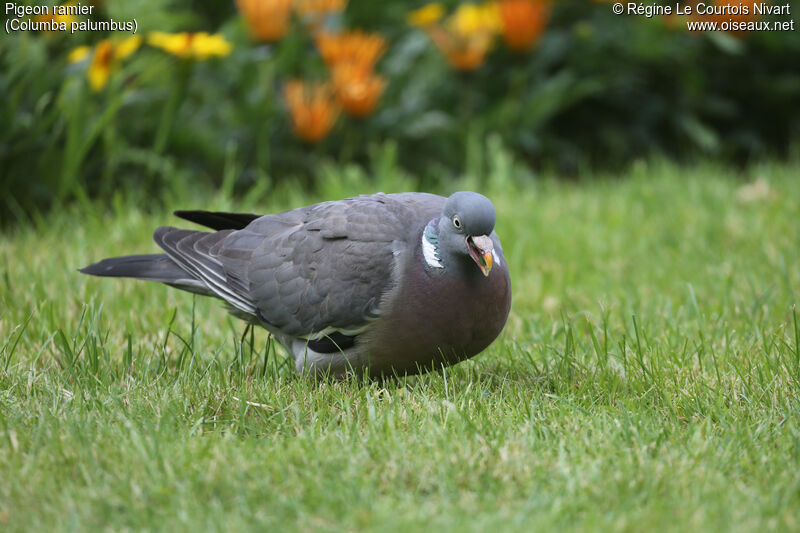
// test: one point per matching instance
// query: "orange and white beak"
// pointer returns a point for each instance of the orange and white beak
(480, 249)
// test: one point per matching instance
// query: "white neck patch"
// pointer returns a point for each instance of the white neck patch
(429, 253)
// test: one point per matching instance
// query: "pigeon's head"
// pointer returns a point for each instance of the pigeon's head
(465, 227)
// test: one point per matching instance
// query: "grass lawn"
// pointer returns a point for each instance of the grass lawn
(648, 378)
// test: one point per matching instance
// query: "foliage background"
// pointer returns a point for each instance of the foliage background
(597, 92)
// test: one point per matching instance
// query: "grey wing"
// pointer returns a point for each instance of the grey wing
(321, 268)
(309, 271)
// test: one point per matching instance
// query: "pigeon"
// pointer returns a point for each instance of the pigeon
(380, 285)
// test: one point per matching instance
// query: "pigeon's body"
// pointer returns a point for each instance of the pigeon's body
(376, 282)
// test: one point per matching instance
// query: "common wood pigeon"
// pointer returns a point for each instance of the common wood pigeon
(384, 284)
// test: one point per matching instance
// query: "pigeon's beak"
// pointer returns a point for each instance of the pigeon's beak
(480, 249)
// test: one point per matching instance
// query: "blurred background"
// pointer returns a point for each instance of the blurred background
(255, 95)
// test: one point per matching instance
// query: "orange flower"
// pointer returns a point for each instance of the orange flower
(268, 20)
(466, 36)
(462, 52)
(361, 48)
(524, 22)
(313, 109)
(357, 89)
(100, 69)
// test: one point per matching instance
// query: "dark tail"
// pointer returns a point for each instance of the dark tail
(218, 220)
(149, 267)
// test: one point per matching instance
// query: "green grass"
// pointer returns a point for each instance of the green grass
(648, 378)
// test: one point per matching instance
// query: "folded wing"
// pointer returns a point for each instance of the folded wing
(308, 272)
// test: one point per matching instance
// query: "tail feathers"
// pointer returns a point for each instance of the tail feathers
(149, 267)
(218, 220)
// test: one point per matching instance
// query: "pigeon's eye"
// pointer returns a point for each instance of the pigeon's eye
(457, 222)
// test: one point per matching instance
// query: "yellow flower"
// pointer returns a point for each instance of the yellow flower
(190, 45)
(313, 109)
(357, 89)
(426, 15)
(470, 19)
(491, 12)
(127, 47)
(79, 53)
(268, 20)
(105, 57)
(357, 47)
